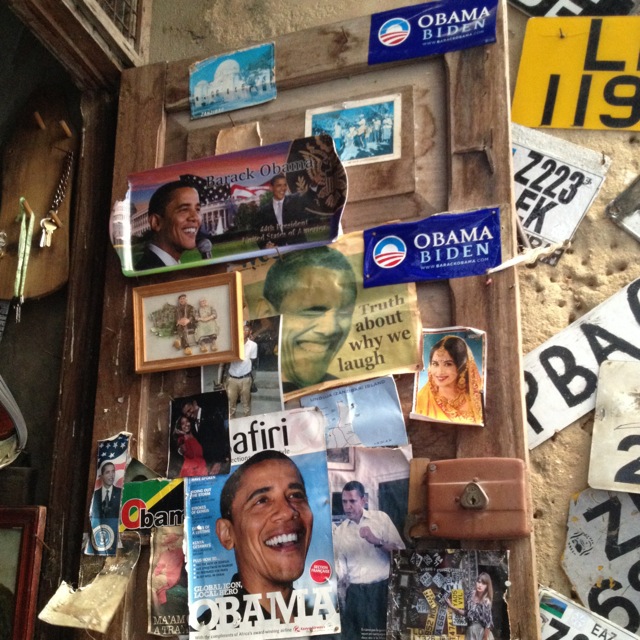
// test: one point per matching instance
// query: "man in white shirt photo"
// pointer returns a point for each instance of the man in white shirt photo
(240, 377)
(363, 543)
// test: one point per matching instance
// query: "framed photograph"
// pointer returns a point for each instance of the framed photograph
(189, 323)
(21, 534)
(342, 459)
(363, 131)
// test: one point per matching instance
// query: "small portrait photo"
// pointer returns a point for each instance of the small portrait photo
(188, 323)
(363, 131)
(199, 435)
(450, 387)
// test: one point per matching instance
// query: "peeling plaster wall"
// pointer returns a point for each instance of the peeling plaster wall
(602, 260)
(202, 27)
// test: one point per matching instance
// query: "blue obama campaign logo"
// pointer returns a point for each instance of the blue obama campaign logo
(445, 245)
(431, 28)
(394, 32)
(389, 252)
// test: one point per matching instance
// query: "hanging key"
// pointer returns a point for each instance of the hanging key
(48, 227)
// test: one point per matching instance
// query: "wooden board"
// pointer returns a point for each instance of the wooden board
(461, 159)
(32, 165)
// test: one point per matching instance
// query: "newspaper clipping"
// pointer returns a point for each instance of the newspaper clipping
(333, 330)
(367, 413)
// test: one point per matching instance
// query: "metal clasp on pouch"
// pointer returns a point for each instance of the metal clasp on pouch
(477, 499)
(474, 497)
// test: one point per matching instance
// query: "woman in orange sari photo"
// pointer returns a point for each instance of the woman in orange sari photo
(453, 392)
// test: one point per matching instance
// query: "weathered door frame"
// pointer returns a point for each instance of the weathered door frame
(479, 173)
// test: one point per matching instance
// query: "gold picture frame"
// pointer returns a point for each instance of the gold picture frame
(204, 328)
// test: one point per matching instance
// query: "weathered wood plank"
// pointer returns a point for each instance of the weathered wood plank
(339, 51)
(481, 175)
(67, 507)
(120, 391)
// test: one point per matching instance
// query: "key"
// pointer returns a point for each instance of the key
(48, 227)
(19, 302)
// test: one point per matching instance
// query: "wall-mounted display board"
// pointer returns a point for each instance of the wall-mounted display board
(454, 155)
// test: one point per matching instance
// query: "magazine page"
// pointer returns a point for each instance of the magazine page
(167, 583)
(258, 541)
(199, 435)
(448, 593)
(367, 414)
(450, 388)
(369, 491)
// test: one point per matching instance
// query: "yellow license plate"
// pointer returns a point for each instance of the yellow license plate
(580, 72)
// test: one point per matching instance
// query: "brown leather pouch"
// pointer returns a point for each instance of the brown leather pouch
(477, 499)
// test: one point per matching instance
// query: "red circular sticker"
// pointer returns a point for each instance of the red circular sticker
(320, 571)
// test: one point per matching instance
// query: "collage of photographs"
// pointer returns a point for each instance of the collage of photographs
(346, 352)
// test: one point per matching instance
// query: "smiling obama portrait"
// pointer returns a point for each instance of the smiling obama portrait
(315, 291)
(267, 521)
(174, 220)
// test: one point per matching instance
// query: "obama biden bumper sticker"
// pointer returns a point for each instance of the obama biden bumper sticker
(447, 245)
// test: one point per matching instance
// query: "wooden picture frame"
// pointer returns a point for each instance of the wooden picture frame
(165, 341)
(343, 459)
(21, 534)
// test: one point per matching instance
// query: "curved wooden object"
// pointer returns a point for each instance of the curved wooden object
(32, 165)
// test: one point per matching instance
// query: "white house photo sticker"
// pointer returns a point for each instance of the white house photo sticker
(602, 554)
(615, 445)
